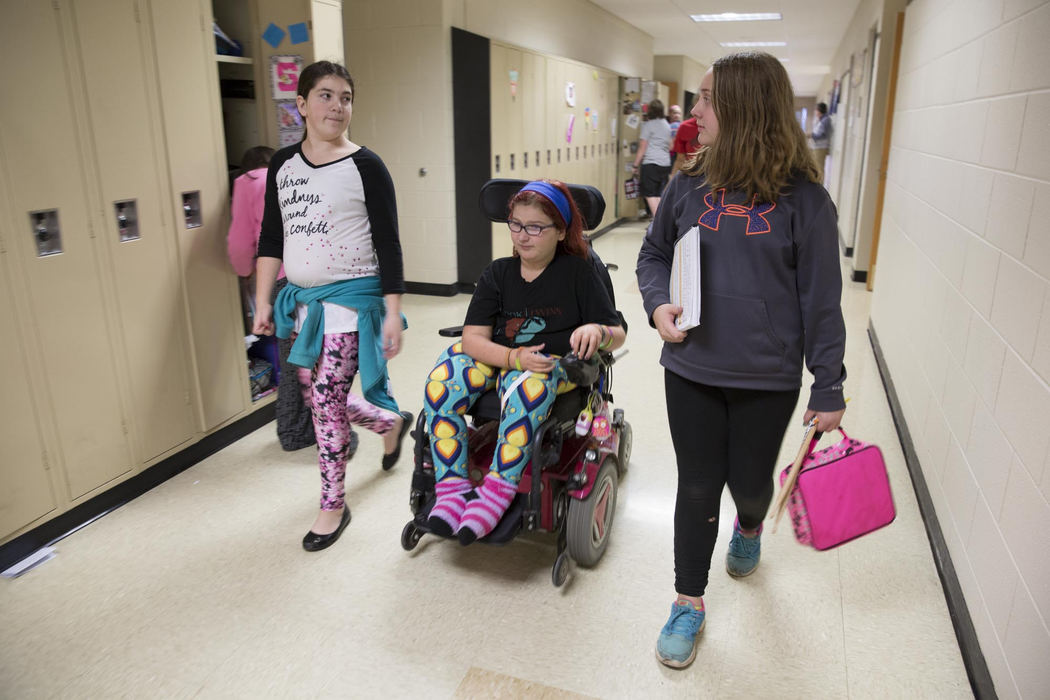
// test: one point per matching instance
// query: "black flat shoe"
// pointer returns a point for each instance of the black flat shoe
(391, 459)
(315, 543)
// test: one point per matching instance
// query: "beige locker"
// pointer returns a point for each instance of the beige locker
(189, 98)
(27, 492)
(66, 307)
(128, 149)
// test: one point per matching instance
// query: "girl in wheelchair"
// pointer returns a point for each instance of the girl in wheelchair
(527, 310)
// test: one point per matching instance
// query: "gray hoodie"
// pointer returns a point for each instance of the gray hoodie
(770, 288)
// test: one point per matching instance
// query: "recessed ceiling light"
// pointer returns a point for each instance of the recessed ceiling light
(754, 43)
(737, 17)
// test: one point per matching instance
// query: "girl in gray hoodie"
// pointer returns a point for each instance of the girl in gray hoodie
(770, 290)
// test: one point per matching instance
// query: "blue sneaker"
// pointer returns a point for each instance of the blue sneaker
(676, 646)
(744, 552)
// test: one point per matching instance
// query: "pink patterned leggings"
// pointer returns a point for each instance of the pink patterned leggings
(327, 389)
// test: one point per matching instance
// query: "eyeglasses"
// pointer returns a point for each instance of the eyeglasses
(531, 229)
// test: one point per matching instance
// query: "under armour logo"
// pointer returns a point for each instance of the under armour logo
(755, 214)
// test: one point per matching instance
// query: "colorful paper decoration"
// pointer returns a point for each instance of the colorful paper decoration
(273, 35)
(298, 33)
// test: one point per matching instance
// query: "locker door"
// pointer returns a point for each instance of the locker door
(129, 158)
(189, 94)
(27, 494)
(66, 307)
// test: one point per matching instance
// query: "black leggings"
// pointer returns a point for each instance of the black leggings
(720, 436)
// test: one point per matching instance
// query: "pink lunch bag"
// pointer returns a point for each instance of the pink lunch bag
(842, 492)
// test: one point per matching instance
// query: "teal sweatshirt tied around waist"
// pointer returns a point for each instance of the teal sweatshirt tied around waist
(363, 294)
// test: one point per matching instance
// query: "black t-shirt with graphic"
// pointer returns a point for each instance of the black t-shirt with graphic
(566, 295)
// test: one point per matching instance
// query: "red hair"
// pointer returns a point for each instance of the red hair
(573, 243)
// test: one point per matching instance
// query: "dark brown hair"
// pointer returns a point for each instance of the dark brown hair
(256, 157)
(573, 243)
(656, 110)
(313, 73)
(760, 146)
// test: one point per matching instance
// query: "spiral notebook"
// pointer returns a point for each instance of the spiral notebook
(685, 279)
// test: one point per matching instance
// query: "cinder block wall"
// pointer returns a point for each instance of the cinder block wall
(962, 306)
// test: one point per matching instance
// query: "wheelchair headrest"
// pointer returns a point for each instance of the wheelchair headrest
(496, 193)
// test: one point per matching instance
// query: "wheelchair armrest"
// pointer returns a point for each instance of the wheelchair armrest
(451, 332)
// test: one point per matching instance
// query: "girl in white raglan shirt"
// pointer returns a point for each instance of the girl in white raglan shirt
(331, 217)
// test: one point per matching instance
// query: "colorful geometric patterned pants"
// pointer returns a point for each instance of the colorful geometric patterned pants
(327, 388)
(456, 383)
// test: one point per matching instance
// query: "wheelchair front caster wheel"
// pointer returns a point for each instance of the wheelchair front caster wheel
(560, 572)
(623, 454)
(410, 537)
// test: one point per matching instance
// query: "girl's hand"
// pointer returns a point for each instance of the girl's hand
(585, 340)
(663, 318)
(826, 420)
(391, 335)
(530, 358)
(263, 324)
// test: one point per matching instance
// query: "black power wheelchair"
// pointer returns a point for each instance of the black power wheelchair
(570, 485)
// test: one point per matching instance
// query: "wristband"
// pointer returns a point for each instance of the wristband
(517, 360)
(608, 341)
(507, 361)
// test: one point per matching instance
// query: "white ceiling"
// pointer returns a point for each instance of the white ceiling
(813, 30)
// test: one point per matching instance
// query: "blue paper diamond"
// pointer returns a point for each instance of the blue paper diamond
(273, 35)
(298, 33)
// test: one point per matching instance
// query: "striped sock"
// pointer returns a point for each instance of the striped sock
(484, 512)
(448, 508)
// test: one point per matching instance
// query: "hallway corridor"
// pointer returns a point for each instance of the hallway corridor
(200, 588)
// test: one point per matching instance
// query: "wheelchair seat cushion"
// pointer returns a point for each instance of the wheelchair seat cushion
(566, 406)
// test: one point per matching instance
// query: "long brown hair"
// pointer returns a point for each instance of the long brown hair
(760, 146)
(573, 243)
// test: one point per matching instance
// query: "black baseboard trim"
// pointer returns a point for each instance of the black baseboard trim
(433, 290)
(605, 229)
(55, 529)
(859, 276)
(848, 252)
(973, 658)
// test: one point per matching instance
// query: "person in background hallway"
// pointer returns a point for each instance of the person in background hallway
(771, 285)
(653, 156)
(821, 137)
(674, 119)
(295, 428)
(529, 309)
(331, 217)
(684, 145)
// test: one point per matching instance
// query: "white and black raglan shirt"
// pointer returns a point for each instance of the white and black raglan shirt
(330, 223)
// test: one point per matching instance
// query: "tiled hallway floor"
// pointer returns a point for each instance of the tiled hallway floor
(200, 587)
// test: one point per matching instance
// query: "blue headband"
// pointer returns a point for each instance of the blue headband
(556, 197)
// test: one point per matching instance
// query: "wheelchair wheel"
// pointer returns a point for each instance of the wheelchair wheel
(623, 454)
(560, 572)
(591, 519)
(410, 536)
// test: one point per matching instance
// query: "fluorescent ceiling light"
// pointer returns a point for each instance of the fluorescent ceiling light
(754, 43)
(737, 17)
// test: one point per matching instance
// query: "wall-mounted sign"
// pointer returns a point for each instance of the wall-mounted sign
(284, 76)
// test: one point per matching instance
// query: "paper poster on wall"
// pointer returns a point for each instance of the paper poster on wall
(648, 91)
(568, 131)
(594, 120)
(284, 76)
(632, 85)
(298, 33)
(632, 121)
(273, 35)
(513, 75)
(289, 122)
(570, 94)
